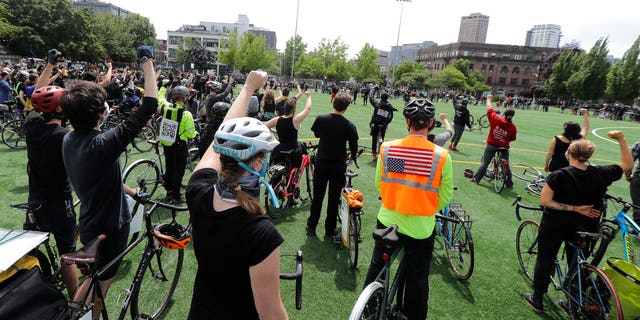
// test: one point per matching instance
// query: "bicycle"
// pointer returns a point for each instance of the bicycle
(376, 299)
(140, 141)
(350, 220)
(13, 135)
(147, 173)
(497, 170)
(533, 178)
(589, 291)
(481, 123)
(162, 264)
(622, 223)
(453, 225)
(285, 181)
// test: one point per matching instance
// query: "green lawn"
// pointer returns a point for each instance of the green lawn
(330, 288)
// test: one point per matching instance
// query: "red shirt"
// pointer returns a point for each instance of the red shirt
(502, 132)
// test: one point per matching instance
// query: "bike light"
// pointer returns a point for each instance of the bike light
(385, 256)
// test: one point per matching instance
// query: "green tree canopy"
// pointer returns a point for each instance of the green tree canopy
(590, 80)
(567, 64)
(453, 78)
(300, 49)
(230, 53)
(623, 80)
(253, 53)
(365, 67)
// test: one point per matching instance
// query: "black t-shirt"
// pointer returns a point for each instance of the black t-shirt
(226, 244)
(47, 176)
(576, 187)
(558, 158)
(334, 132)
(287, 133)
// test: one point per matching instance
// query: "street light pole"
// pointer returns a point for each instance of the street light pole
(393, 72)
(295, 35)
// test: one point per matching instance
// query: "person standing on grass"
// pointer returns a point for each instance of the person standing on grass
(334, 131)
(634, 182)
(380, 119)
(237, 248)
(50, 197)
(502, 132)
(460, 120)
(572, 201)
(556, 158)
(412, 192)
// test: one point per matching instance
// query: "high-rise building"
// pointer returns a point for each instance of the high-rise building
(473, 28)
(100, 7)
(407, 52)
(544, 35)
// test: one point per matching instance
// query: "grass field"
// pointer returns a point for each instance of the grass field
(330, 288)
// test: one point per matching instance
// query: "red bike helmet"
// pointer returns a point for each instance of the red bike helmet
(172, 236)
(46, 98)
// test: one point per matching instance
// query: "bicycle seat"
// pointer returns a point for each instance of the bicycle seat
(21, 206)
(584, 235)
(86, 255)
(350, 174)
(388, 236)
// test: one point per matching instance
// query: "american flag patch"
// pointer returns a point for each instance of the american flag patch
(409, 160)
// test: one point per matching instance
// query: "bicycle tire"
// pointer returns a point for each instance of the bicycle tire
(157, 279)
(140, 140)
(500, 177)
(458, 247)
(490, 173)
(527, 247)
(143, 173)
(354, 238)
(12, 135)
(598, 296)
(370, 302)
(278, 182)
(308, 176)
(124, 159)
(472, 119)
(535, 188)
(483, 121)
(525, 172)
(193, 157)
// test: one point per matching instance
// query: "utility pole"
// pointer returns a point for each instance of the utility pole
(393, 72)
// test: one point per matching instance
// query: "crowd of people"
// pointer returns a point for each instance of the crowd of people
(237, 146)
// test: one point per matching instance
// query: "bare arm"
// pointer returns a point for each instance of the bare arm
(445, 121)
(255, 80)
(546, 200)
(585, 122)
(297, 119)
(272, 123)
(265, 284)
(299, 94)
(107, 77)
(489, 97)
(150, 85)
(626, 162)
(547, 158)
(43, 80)
(55, 76)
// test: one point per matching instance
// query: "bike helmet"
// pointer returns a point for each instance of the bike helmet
(254, 105)
(180, 92)
(242, 138)
(215, 86)
(22, 75)
(220, 109)
(419, 108)
(46, 98)
(172, 236)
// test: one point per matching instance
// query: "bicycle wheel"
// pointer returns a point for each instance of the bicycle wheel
(140, 141)
(472, 119)
(308, 178)
(278, 182)
(193, 157)
(535, 187)
(458, 246)
(525, 172)
(527, 247)
(483, 121)
(370, 303)
(591, 294)
(124, 158)
(354, 238)
(490, 174)
(143, 173)
(12, 135)
(500, 175)
(160, 275)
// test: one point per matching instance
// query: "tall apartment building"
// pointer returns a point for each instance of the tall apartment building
(544, 35)
(407, 52)
(100, 7)
(473, 28)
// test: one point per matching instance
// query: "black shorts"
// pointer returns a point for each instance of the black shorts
(53, 217)
(111, 247)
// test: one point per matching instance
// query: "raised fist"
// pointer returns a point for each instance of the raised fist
(53, 56)
(144, 52)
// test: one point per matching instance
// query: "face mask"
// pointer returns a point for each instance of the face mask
(260, 175)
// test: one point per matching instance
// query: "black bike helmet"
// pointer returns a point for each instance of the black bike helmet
(419, 108)
(220, 109)
(215, 86)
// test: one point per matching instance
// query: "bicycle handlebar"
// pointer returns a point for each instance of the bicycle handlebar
(519, 205)
(297, 275)
(621, 201)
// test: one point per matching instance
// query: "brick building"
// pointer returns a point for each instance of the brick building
(514, 69)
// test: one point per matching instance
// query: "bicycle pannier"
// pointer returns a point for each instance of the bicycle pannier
(625, 278)
(29, 296)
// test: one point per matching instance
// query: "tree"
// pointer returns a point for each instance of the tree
(408, 67)
(140, 29)
(453, 78)
(300, 49)
(463, 66)
(591, 79)
(623, 80)
(201, 58)
(476, 82)
(310, 65)
(231, 53)
(417, 78)
(254, 54)
(333, 56)
(6, 28)
(567, 64)
(365, 67)
(118, 44)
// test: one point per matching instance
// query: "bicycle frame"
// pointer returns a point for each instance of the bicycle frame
(625, 225)
(292, 179)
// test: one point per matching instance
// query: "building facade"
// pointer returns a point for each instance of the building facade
(544, 35)
(100, 7)
(473, 28)
(383, 60)
(407, 52)
(213, 35)
(515, 69)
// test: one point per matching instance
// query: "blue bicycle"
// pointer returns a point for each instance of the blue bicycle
(628, 229)
(453, 225)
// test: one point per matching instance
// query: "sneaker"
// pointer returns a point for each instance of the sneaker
(311, 232)
(564, 305)
(453, 148)
(468, 173)
(531, 301)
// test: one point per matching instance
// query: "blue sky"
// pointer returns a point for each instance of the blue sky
(376, 21)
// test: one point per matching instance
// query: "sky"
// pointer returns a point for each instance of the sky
(377, 22)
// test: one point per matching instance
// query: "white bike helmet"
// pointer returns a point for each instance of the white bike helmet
(242, 138)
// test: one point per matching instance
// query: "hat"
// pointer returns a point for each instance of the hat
(3, 73)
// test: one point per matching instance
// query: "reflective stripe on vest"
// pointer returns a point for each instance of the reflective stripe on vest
(411, 174)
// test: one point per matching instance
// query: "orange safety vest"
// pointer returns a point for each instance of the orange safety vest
(411, 175)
